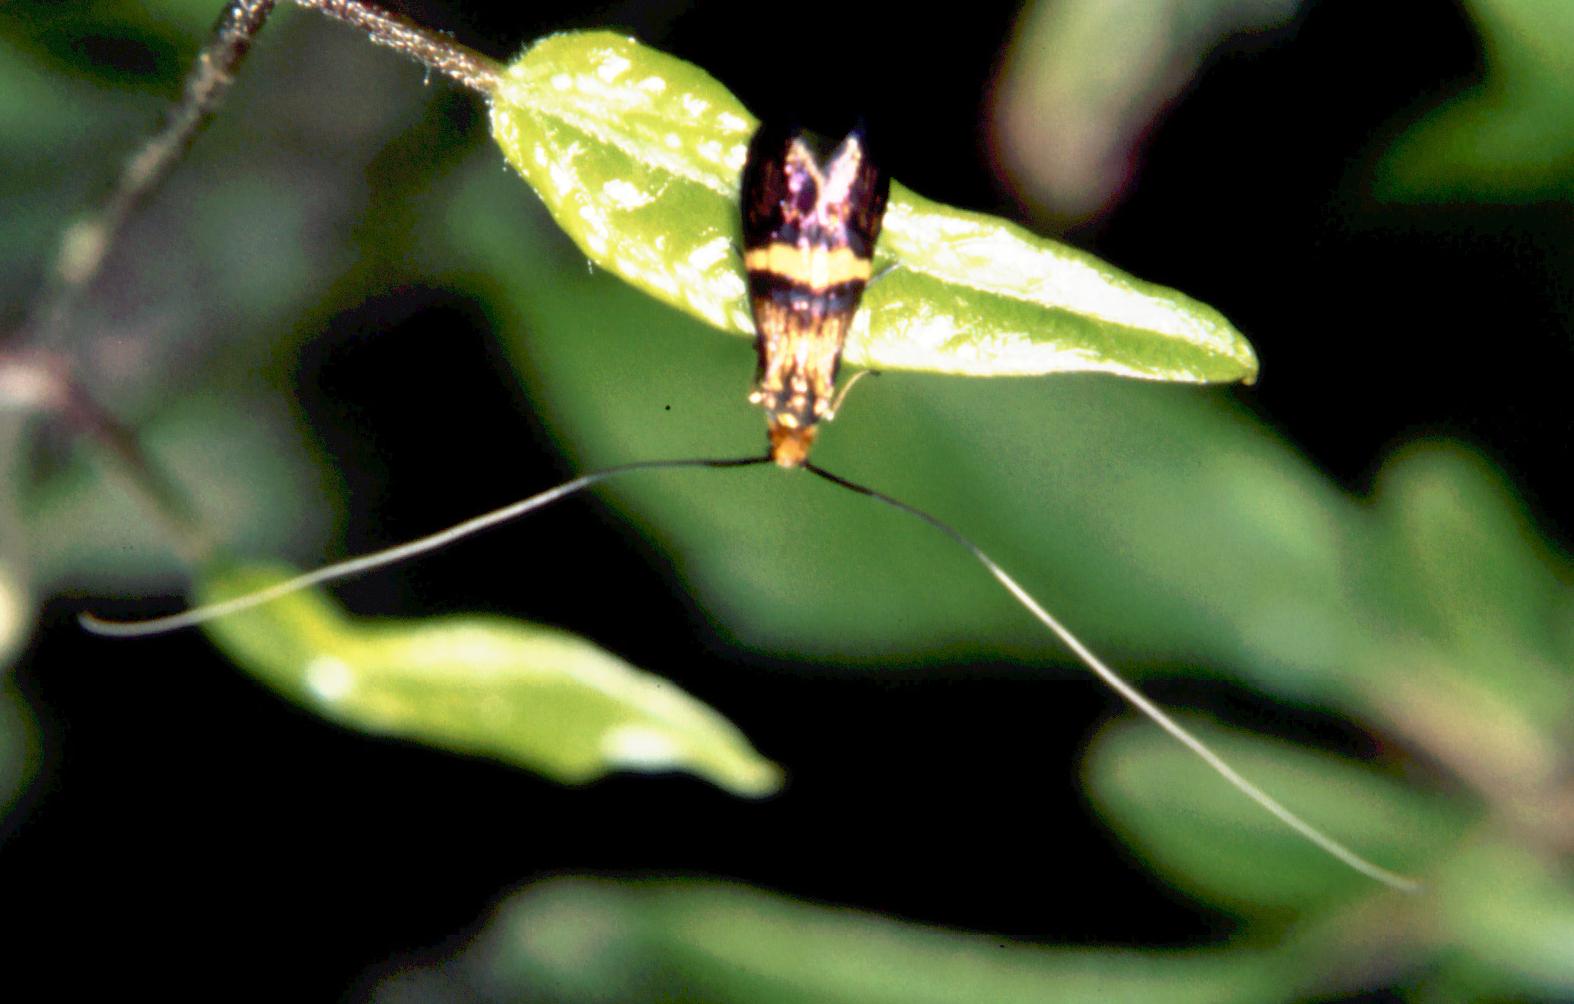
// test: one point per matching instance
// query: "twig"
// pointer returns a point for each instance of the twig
(36, 380)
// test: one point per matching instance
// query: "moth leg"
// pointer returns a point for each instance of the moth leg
(881, 274)
(841, 395)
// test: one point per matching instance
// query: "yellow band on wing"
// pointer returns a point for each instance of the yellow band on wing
(817, 268)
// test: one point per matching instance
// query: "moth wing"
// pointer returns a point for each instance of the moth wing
(853, 180)
(780, 186)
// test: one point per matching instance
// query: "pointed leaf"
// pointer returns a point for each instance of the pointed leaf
(637, 155)
(532, 696)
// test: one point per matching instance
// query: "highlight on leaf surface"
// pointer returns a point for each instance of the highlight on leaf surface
(535, 697)
(638, 154)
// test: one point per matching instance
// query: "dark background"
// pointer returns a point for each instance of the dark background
(278, 867)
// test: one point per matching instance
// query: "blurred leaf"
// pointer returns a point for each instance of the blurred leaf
(527, 695)
(1510, 137)
(1493, 589)
(1481, 673)
(637, 155)
(1084, 80)
(581, 941)
(1511, 914)
(1207, 838)
(18, 609)
(18, 744)
(126, 42)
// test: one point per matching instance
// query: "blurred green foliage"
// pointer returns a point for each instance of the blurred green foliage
(579, 941)
(1508, 138)
(1168, 524)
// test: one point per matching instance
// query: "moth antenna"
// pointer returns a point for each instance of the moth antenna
(388, 556)
(1135, 697)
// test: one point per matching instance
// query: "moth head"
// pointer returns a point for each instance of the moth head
(790, 443)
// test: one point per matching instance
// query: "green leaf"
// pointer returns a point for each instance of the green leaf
(19, 744)
(1487, 656)
(579, 940)
(1512, 915)
(531, 696)
(1510, 137)
(637, 156)
(1209, 839)
(1475, 557)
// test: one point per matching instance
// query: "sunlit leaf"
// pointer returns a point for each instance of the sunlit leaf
(528, 695)
(1207, 838)
(581, 941)
(638, 154)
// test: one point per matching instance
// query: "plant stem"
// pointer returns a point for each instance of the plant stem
(434, 49)
(35, 380)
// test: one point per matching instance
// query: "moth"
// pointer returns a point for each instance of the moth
(809, 231)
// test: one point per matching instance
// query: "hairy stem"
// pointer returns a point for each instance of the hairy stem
(434, 49)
